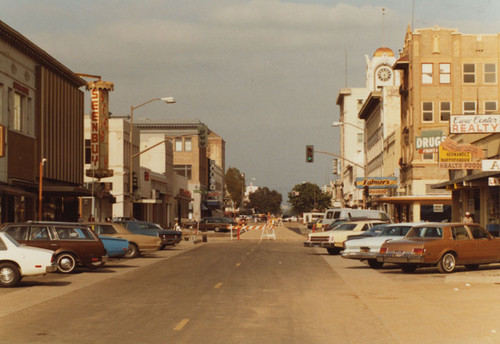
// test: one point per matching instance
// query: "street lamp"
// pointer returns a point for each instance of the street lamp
(339, 124)
(168, 100)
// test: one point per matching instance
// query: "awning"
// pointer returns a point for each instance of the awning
(66, 190)
(10, 190)
(422, 199)
(469, 178)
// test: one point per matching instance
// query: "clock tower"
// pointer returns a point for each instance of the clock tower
(379, 72)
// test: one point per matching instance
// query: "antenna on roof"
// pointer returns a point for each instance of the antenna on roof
(383, 27)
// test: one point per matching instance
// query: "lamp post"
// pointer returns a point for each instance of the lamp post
(168, 100)
(339, 124)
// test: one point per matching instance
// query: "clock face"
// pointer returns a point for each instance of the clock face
(384, 74)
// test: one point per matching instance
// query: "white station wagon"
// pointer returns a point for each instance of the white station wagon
(17, 261)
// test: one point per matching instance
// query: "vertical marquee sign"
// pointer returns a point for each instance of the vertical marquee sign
(99, 129)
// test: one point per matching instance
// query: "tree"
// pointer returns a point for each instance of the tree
(235, 185)
(306, 197)
(266, 201)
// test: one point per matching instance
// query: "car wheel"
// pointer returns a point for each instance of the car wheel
(9, 275)
(374, 264)
(132, 251)
(162, 247)
(332, 250)
(408, 268)
(216, 229)
(66, 263)
(447, 263)
(472, 266)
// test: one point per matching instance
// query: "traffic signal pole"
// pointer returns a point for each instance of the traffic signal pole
(351, 162)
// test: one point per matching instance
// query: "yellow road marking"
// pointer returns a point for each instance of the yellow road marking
(181, 325)
(218, 285)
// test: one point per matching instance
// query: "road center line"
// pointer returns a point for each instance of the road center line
(218, 285)
(181, 324)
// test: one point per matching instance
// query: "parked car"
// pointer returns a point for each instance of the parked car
(17, 261)
(217, 224)
(367, 248)
(167, 236)
(372, 232)
(137, 243)
(444, 245)
(73, 244)
(115, 247)
(333, 240)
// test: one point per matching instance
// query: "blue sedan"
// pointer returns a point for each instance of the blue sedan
(115, 247)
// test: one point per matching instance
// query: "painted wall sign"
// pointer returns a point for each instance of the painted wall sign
(429, 141)
(460, 124)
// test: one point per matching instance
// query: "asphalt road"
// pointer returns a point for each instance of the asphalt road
(249, 291)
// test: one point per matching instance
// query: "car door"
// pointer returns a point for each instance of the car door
(486, 246)
(41, 236)
(463, 244)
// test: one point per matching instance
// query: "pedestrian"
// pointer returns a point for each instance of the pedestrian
(468, 218)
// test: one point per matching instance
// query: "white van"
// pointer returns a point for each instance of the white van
(337, 214)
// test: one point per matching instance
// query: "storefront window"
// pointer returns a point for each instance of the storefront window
(493, 206)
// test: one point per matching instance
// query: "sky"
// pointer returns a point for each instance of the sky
(262, 74)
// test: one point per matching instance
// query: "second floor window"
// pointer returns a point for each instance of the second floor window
(183, 170)
(427, 112)
(490, 107)
(469, 73)
(444, 111)
(178, 144)
(187, 144)
(469, 108)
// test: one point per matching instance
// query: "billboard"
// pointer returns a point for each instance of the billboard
(474, 124)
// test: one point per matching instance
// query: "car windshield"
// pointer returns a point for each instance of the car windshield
(425, 232)
(394, 231)
(345, 227)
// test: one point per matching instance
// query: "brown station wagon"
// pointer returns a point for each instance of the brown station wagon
(444, 245)
(73, 243)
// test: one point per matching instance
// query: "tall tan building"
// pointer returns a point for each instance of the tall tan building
(444, 73)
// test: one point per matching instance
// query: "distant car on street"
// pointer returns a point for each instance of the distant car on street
(217, 224)
(17, 261)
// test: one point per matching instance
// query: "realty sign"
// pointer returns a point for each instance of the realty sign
(474, 124)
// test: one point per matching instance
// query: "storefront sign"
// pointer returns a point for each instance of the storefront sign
(453, 146)
(429, 141)
(378, 192)
(376, 182)
(474, 124)
(492, 181)
(447, 156)
(491, 165)
(460, 165)
(99, 129)
(438, 208)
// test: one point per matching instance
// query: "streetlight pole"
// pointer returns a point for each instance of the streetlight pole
(339, 124)
(168, 100)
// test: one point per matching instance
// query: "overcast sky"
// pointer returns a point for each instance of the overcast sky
(263, 74)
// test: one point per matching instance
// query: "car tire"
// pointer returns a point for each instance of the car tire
(66, 263)
(9, 275)
(132, 251)
(217, 229)
(333, 251)
(447, 263)
(408, 268)
(162, 247)
(374, 264)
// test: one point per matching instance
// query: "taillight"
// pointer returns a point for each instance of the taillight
(53, 258)
(383, 250)
(419, 251)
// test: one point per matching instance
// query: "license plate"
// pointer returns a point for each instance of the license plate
(399, 253)
(365, 249)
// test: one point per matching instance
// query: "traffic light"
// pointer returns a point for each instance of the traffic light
(309, 153)
(202, 135)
